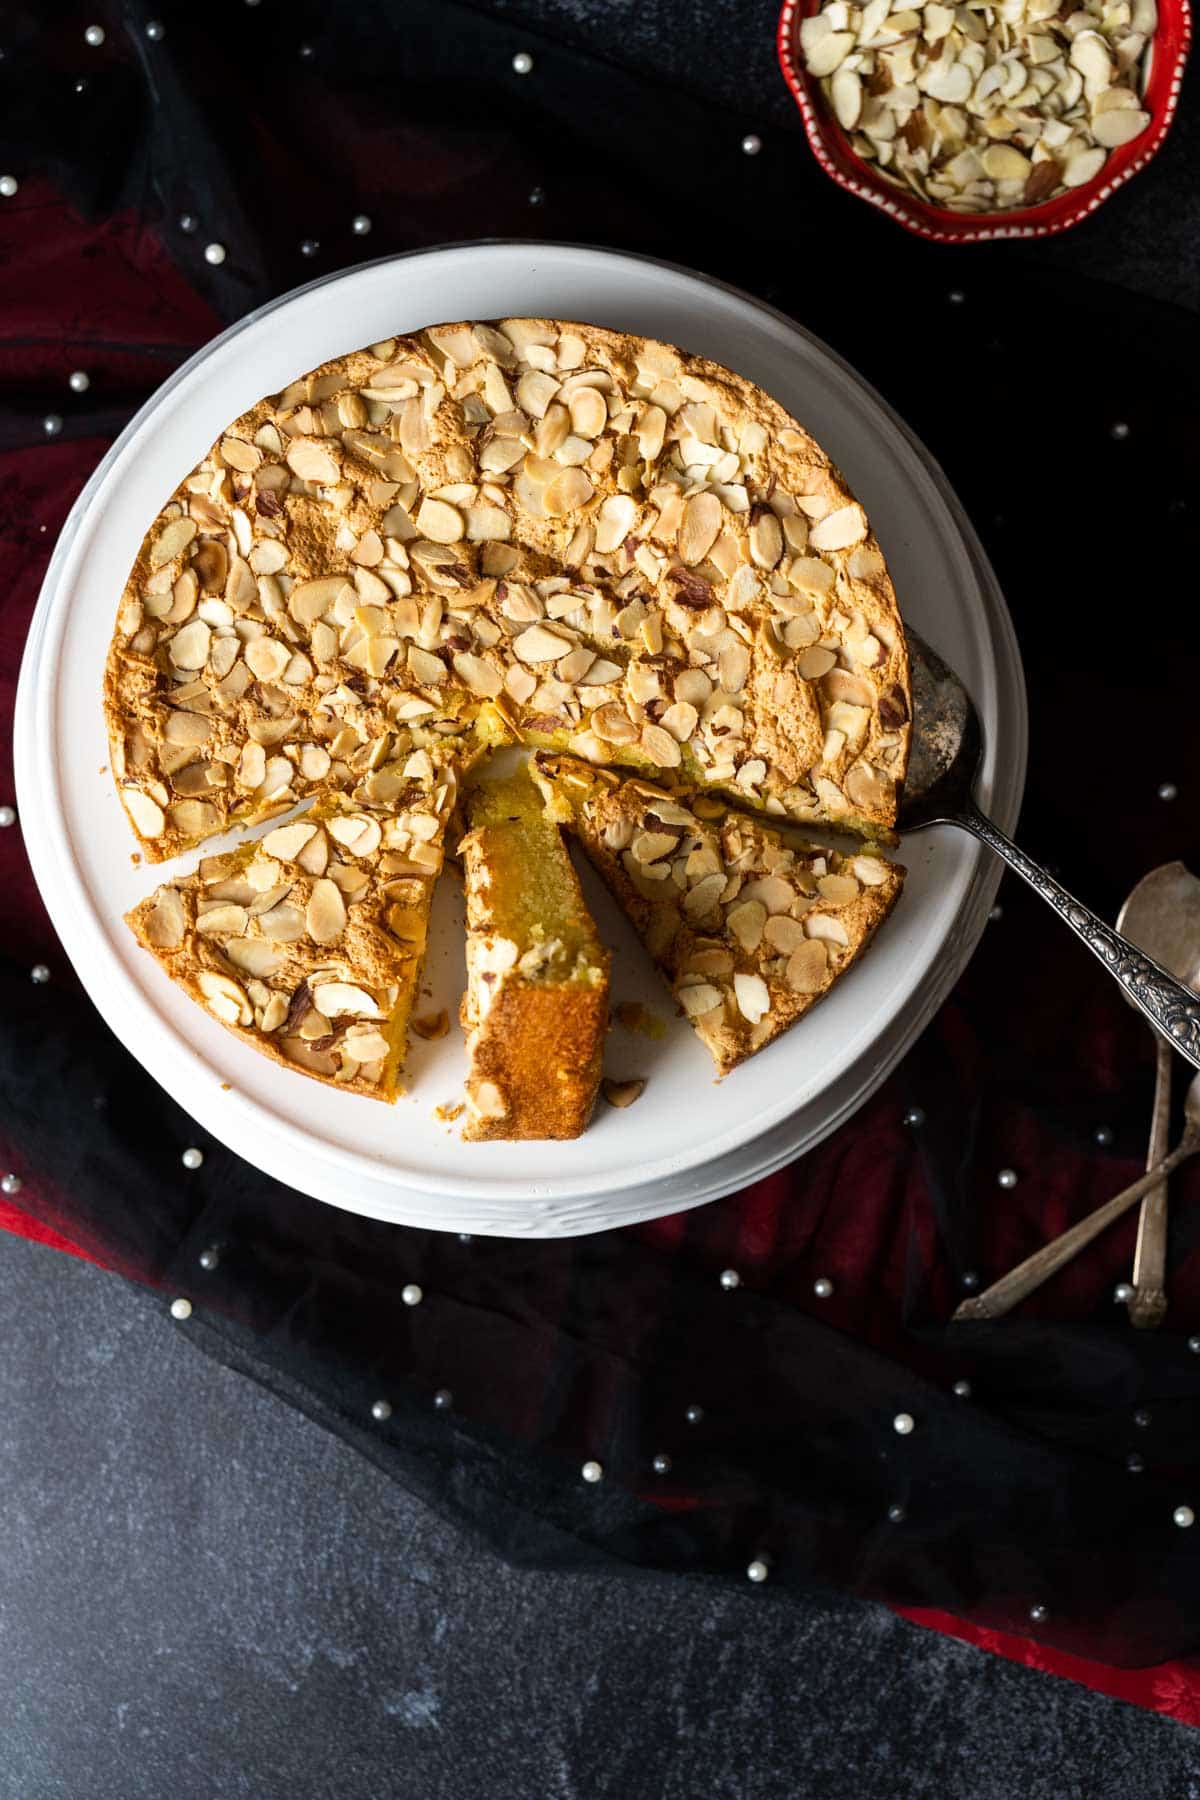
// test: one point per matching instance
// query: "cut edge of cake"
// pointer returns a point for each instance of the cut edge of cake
(535, 1011)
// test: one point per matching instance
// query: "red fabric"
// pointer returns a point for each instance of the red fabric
(864, 1201)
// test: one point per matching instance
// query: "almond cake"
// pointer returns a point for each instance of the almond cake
(750, 930)
(536, 1007)
(484, 533)
(309, 942)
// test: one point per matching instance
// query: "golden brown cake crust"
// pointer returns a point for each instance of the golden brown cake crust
(749, 928)
(625, 550)
(541, 1053)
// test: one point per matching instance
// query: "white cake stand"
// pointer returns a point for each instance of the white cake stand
(689, 1138)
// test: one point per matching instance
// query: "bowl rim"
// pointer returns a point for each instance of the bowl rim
(938, 224)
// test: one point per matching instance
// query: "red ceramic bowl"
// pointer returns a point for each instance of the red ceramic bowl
(831, 147)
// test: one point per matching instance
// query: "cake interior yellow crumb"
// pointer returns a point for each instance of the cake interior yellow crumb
(532, 895)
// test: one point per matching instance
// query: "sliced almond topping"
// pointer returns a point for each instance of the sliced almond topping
(146, 814)
(660, 747)
(358, 833)
(746, 921)
(341, 999)
(753, 997)
(312, 460)
(188, 649)
(839, 530)
(807, 967)
(326, 914)
(171, 540)
(567, 492)
(784, 934)
(701, 523)
(253, 955)
(225, 998)
(166, 920)
(698, 998)
(440, 522)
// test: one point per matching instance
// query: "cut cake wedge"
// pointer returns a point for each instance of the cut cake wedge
(536, 1006)
(750, 929)
(308, 943)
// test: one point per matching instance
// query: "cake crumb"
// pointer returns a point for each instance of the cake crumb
(631, 1015)
(432, 1025)
(622, 1093)
(449, 1111)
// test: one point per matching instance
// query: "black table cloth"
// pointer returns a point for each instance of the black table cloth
(1063, 408)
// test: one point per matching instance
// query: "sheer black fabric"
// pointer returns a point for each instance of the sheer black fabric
(523, 1360)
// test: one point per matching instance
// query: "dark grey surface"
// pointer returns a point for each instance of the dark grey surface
(202, 1594)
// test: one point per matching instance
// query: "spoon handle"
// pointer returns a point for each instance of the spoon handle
(1148, 1307)
(1012, 1288)
(1171, 1008)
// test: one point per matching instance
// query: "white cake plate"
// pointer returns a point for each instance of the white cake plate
(688, 1139)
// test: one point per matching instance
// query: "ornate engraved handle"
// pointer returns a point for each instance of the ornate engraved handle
(1171, 1008)
(1148, 1307)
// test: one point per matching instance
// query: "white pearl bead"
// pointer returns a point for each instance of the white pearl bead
(956, 297)
(896, 1514)
(156, 31)
(39, 974)
(522, 63)
(914, 1116)
(1038, 1614)
(412, 1295)
(996, 914)
(360, 224)
(1194, 1345)
(210, 1258)
(751, 144)
(903, 1423)
(694, 1414)
(1183, 1517)
(381, 1410)
(309, 247)
(11, 1184)
(962, 1389)
(1119, 430)
(192, 1159)
(79, 381)
(661, 1464)
(214, 254)
(822, 1287)
(52, 424)
(1168, 791)
(181, 1308)
(94, 35)
(8, 186)
(1122, 1293)
(970, 1280)
(1103, 1136)
(464, 1237)
(1007, 1178)
(7, 817)
(443, 1399)
(591, 1471)
(730, 1278)
(758, 1570)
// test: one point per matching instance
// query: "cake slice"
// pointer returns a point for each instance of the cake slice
(536, 1005)
(749, 928)
(309, 942)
